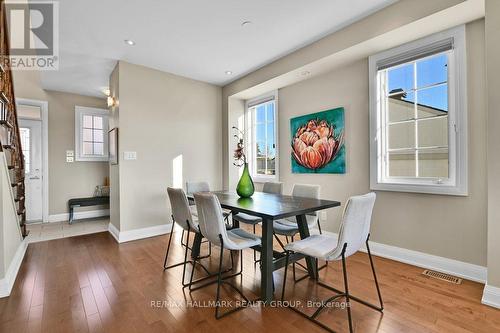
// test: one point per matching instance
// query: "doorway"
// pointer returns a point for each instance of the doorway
(31, 144)
(32, 120)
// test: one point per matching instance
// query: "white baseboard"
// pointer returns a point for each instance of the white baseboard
(449, 266)
(7, 282)
(491, 296)
(88, 214)
(135, 234)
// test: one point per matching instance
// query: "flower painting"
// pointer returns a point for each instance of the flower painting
(318, 142)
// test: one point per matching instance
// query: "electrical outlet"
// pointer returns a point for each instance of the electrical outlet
(70, 159)
(323, 215)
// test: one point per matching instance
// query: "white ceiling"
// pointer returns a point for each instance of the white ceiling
(199, 39)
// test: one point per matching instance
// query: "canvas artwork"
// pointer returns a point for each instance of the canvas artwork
(318, 142)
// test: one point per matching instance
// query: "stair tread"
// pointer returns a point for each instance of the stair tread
(21, 212)
(20, 198)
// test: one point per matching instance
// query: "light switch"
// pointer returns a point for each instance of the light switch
(323, 215)
(70, 159)
(129, 155)
(70, 153)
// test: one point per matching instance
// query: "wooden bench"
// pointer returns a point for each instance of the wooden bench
(84, 202)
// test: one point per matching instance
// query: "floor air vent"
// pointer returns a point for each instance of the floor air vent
(442, 276)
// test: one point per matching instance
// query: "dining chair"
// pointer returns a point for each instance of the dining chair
(288, 227)
(181, 214)
(212, 226)
(194, 187)
(269, 187)
(354, 232)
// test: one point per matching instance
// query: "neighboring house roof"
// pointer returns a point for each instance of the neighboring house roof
(399, 94)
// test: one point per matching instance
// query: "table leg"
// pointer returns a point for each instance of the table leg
(71, 209)
(195, 250)
(304, 233)
(266, 280)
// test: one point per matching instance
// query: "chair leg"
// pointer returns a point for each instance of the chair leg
(338, 294)
(254, 251)
(185, 260)
(287, 259)
(219, 280)
(346, 288)
(168, 246)
(374, 274)
(182, 239)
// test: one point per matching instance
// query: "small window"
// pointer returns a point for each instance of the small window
(262, 137)
(418, 116)
(91, 134)
(26, 148)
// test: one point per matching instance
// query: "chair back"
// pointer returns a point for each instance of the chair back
(356, 221)
(307, 191)
(210, 217)
(180, 208)
(273, 187)
(194, 187)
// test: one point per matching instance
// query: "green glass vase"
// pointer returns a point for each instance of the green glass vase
(245, 186)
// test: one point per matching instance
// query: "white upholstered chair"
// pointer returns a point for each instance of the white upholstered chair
(181, 214)
(269, 187)
(288, 226)
(354, 233)
(212, 226)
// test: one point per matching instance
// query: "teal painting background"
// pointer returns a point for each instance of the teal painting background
(333, 116)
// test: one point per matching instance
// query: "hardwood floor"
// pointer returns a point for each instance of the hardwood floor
(91, 284)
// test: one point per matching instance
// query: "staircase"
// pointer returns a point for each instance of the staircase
(10, 139)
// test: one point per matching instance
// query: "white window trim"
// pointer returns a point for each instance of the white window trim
(250, 137)
(79, 112)
(458, 182)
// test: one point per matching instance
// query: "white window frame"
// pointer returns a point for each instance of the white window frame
(80, 111)
(250, 136)
(457, 183)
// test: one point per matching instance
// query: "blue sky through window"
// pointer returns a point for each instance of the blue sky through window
(430, 71)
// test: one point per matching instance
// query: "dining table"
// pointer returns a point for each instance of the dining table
(271, 207)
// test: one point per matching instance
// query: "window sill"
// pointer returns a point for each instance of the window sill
(262, 180)
(92, 159)
(421, 188)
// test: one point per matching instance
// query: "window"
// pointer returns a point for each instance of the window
(261, 137)
(418, 116)
(91, 134)
(25, 147)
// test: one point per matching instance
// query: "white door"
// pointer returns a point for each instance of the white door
(31, 142)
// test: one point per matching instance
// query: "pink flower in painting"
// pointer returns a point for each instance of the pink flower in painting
(315, 144)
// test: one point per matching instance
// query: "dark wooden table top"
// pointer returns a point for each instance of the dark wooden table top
(271, 206)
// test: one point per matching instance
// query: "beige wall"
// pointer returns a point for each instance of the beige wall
(163, 116)
(434, 224)
(402, 13)
(66, 180)
(114, 170)
(69, 180)
(493, 104)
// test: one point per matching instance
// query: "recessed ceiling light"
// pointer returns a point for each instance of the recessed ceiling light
(246, 23)
(228, 72)
(129, 42)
